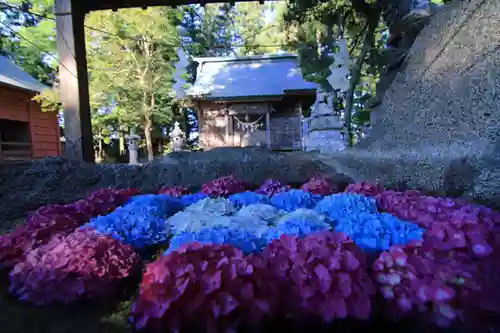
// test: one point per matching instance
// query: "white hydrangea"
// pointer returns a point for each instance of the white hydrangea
(252, 224)
(193, 221)
(267, 213)
(218, 206)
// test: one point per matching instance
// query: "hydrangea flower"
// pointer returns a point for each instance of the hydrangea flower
(141, 223)
(189, 199)
(218, 206)
(439, 286)
(248, 198)
(82, 265)
(301, 222)
(263, 212)
(236, 237)
(205, 288)
(366, 188)
(295, 199)
(193, 221)
(252, 224)
(319, 185)
(272, 186)
(176, 191)
(378, 232)
(52, 220)
(322, 275)
(224, 186)
(337, 206)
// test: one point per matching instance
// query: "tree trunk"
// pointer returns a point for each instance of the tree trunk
(148, 127)
(368, 41)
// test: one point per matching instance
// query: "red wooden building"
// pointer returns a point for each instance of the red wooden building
(25, 131)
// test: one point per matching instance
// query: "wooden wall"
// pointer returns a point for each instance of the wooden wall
(218, 128)
(17, 105)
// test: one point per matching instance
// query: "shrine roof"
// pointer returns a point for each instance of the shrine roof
(12, 75)
(250, 76)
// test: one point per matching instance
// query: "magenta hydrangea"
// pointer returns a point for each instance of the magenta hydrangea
(176, 191)
(456, 224)
(365, 188)
(53, 220)
(81, 265)
(324, 275)
(272, 186)
(211, 287)
(439, 286)
(224, 186)
(319, 185)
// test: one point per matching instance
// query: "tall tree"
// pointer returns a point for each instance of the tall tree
(132, 64)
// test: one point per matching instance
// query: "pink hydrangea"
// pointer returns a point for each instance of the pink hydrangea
(224, 186)
(323, 274)
(365, 188)
(52, 220)
(176, 191)
(81, 265)
(272, 186)
(213, 287)
(440, 286)
(456, 224)
(319, 185)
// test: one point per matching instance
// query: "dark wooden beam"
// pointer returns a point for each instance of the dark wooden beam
(91, 5)
(74, 88)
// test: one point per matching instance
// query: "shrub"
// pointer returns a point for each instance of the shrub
(322, 275)
(211, 287)
(295, 199)
(378, 232)
(365, 188)
(271, 186)
(224, 186)
(57, 220)
(319, 185)
(81, 265)
(141, 223)
(337, 206)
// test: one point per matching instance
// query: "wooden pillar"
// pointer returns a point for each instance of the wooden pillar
(73, 76)
(268, 126)
(226, 116)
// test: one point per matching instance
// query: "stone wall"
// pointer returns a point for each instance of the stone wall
(439, 125)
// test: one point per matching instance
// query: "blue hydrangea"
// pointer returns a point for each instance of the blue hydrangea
(300, 223)
(140, 223)
(378, 232)
(248, 198)
(295, 199)
(337, 206)
(190, 199)
(239, 238)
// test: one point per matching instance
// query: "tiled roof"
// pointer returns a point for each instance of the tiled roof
(14, 76)
(252, 76)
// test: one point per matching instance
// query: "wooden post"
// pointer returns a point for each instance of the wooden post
(268, 126)
(73, 76)
(226, 116)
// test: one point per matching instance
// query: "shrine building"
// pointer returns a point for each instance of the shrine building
(251, 101)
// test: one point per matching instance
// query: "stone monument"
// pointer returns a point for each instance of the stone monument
(178, 138)
(133, 148)
(324, 126)
(438, 128)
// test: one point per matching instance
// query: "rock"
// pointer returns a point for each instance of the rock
(438, 128)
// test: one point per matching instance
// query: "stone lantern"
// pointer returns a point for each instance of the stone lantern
(133, 147)
(178, 137)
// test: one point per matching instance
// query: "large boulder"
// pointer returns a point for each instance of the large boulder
(439, 125)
